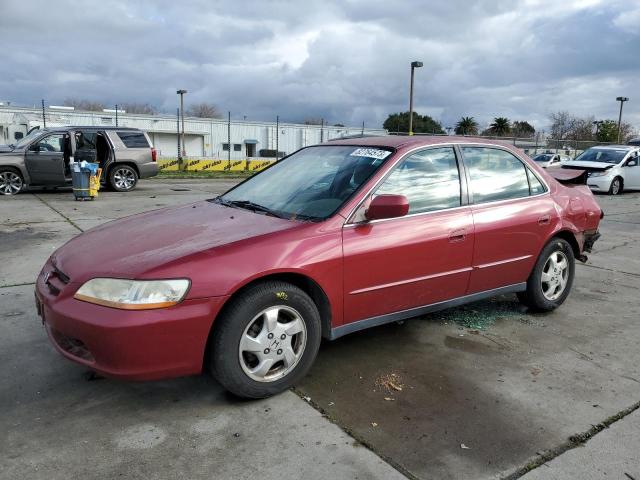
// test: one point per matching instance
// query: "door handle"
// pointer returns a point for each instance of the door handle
(544, 220)
(457, 235)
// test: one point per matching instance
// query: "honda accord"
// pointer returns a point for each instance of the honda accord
(328, 241)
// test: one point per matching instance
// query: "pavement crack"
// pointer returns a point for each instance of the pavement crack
(572, 442)
(17, 284)
(609, 269)
(71, 222)
(358, 438)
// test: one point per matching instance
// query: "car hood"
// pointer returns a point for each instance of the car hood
(137, 245)
(590, 166)
(6, 149)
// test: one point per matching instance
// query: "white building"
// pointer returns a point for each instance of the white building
(203, 137)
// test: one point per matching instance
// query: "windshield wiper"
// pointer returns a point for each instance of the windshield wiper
(249, 205)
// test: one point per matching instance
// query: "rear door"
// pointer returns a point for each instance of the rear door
(45, 159)
(422, 258)
(85, 145)
(513, 214)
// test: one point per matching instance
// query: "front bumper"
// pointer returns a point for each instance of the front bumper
(599, 184)
(131, 345)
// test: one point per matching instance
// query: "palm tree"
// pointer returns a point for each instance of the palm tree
(467, 126)
(500, 126)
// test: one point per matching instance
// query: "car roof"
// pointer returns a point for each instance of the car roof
(86, 127)
(615, 147)
(398, 141)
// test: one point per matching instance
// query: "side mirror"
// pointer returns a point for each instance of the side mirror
(632, 163)
(387, 206)
(34, 147)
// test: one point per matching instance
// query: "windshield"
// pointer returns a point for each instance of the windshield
(25, 140)
(543, 157)
(609, 155)
(310, 184)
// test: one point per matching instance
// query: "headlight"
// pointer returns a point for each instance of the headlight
(599, 174)
(133, 294)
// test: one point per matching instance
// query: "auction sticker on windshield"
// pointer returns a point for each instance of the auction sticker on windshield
(371, 153)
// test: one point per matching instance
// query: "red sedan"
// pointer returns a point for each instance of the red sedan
(333, 239)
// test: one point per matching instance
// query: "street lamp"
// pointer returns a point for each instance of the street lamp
(414, 65)
(183, 153)
(621, 100)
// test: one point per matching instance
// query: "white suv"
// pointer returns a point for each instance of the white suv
(610, 168)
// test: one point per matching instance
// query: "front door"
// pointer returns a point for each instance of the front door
(45, 160)
(423, 258)
(632, 173)
(512, 216)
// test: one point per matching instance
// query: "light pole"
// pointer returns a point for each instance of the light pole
(621, 100)
(414, 65)
(183, 152)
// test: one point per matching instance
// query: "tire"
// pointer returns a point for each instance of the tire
(544, 296)
(123, 178)
(11, 182)
(242, 366)
(616, 186)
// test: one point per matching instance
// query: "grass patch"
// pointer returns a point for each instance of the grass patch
(203, 174)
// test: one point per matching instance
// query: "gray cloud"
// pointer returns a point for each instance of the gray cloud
(346, 61)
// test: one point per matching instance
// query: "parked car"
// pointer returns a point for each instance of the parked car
(550, 159)
(331, 240)
(43, 157)
(610, 169)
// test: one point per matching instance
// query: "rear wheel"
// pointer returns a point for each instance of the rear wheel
(266, 340)
(550, 281)
(123, 178)
(11, 182)
(616, 186)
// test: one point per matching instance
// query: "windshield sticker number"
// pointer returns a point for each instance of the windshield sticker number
(371, 153)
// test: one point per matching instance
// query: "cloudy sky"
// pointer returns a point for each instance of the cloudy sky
(346, 61)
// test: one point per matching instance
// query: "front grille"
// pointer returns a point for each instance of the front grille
(55, 280)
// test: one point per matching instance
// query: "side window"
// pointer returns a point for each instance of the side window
(536, 187)
(133, 139)
(495, 174)
(86, 140)
(50, 143)
(429, 179)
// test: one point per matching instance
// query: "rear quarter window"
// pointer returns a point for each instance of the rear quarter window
(133, 139)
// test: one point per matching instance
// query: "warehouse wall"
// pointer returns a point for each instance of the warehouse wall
(203, 137)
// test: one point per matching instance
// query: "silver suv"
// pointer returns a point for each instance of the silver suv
(43, 157)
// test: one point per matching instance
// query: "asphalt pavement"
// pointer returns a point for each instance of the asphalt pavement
(483, 391)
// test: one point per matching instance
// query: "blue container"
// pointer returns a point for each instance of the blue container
(80, 175)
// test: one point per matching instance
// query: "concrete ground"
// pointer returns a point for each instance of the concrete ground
(482, 391)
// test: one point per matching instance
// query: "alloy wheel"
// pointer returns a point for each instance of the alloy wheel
(615, 186)
(10, 183)
(272, 344)
(555, 275)
(124, 178)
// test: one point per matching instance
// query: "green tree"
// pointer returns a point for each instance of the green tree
(608, 131)
(522, 129)
(500, 127)
(467, 126)
(399, 122)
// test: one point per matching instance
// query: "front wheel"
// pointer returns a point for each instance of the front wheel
(550, 281)
(616, 186)
(123, 178)
(11, 182)
(265, 340)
